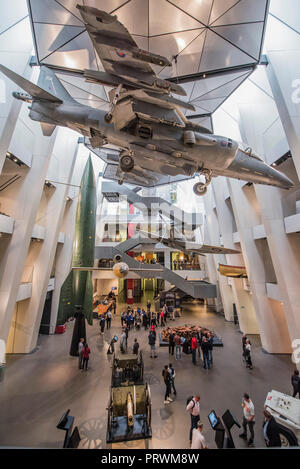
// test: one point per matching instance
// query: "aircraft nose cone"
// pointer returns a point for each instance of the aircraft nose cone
(282, 180)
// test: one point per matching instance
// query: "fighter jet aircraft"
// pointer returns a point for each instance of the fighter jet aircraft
(145, 120)
(188, 247)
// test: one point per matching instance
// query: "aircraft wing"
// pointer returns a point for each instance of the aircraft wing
(195, 248)
(140, 177)
(116, 48)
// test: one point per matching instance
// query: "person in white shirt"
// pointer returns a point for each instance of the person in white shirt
(80, 348)
(248, 419)
(198, 440)
(193, 408)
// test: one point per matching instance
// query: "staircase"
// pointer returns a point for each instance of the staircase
(196, 289)
(178, 216)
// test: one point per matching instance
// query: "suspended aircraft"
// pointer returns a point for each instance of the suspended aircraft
(145, 120)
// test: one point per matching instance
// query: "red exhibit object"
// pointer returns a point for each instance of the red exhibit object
(60, 329)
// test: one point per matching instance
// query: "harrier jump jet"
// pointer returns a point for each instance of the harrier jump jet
(145, 120)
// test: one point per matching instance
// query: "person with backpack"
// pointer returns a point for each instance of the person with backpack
(171, 343)
(151, 341)
(85, 357)
(193, 407)
(136, 346)
(167, 379)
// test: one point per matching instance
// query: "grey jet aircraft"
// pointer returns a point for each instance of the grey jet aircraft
(145, 120)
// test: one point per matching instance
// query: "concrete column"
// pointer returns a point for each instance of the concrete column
(212, 231)
(227, 226)
(26, 201)
(267, 321)
(285, 255)
(49, 216)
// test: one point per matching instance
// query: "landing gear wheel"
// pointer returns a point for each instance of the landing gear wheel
(200, 189)
(108, 117)
(126, 163)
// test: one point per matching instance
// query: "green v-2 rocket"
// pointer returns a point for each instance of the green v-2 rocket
(76, 295)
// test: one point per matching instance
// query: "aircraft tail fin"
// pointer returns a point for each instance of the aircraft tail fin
(30, 88)
(49, 82)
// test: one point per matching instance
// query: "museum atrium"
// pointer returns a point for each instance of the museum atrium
(149, 177)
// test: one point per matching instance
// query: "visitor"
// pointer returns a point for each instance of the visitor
(198, 440)
(126, 329)
(194, 346)
(80, 348)
(193, 407)
(171, 312)
(210, 341)
(148, 305)
(115, 306)
(151, 341)
(167, 380)
(162, 319)
(175, 264)
(296, 383)
(85, 355)
(172, 373)
(145, 322)
(123, 320)
(199, 340)
(153, 319)
(271, 431)
(136, 346)
(205, 352)
(178, 347)
(248, 419)
(123, 344)
(171, 343)
(102, 323)
(111, 348)
(247, 355)
(108, 319)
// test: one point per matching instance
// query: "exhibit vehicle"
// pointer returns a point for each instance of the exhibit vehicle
(145, 121)
(286, 411)
(127, 369)
(129, 406)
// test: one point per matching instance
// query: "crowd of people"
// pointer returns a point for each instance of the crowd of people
(200, 347)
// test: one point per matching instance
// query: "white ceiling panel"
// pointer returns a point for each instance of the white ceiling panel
(199, 37)
(219, 54)
(220, 7)
(199, 9)
(245, 11)
(9, 16)
(245, 36)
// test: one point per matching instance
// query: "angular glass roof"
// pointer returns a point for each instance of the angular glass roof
(213, 44)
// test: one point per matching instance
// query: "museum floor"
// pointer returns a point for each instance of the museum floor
(40, 387)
